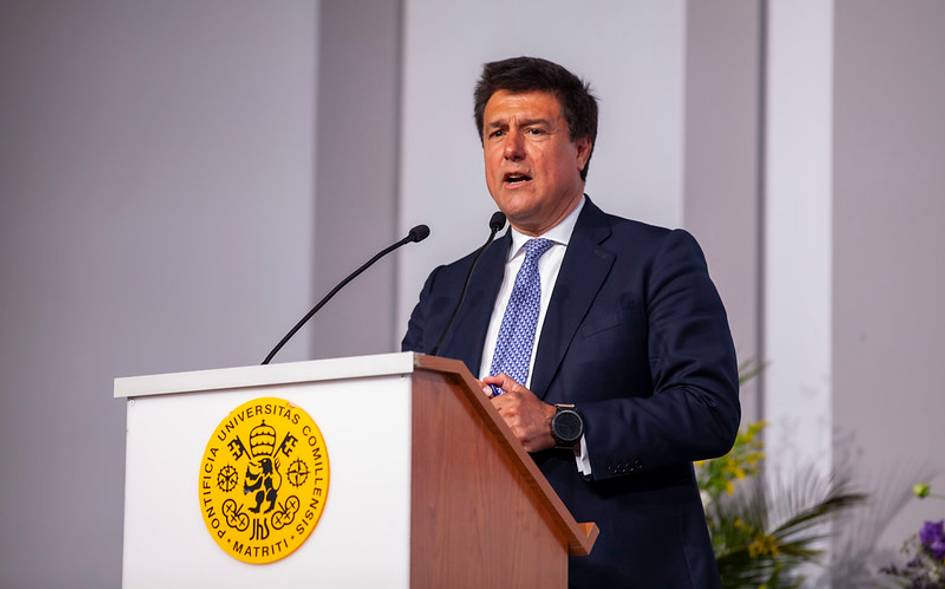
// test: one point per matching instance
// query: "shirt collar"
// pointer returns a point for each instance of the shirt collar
(560, 233)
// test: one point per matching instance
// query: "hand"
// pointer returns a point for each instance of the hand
(528, 417)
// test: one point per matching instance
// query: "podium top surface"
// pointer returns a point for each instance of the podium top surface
(272, 374)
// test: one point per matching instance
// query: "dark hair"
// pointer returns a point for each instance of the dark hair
(528, 74)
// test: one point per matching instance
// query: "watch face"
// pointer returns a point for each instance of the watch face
(568, 426)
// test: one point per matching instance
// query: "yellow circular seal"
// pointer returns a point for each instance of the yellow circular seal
(263, 480)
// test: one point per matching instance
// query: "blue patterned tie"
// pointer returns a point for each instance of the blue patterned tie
(513, 348)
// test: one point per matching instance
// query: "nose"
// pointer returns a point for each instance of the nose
(514, 147)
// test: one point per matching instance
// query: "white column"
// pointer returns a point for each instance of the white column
(798, 228)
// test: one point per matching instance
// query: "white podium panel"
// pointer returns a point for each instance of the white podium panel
(363, 536)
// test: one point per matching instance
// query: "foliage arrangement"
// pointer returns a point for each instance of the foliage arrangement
(925, 551)
(762, 535)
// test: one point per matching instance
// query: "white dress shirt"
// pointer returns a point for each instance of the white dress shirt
(549, 264)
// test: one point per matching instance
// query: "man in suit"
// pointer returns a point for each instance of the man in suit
(601, 340)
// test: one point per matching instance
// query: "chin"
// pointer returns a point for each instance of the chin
(524, 221)
(517, 206)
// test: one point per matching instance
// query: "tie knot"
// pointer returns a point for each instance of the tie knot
(534, 248)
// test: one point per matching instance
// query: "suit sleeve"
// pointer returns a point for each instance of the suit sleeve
(693, 412)
(418, 326)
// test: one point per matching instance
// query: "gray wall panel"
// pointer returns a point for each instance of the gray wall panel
(155, 215)
(722, 161)
(356, 212)
(889, 280)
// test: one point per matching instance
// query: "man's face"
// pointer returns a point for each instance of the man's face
(532, 166)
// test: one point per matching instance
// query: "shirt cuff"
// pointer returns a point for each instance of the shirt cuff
(582, 459)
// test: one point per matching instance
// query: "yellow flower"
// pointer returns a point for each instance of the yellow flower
(763, 544)
(755, 549)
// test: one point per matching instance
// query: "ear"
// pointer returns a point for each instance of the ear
(583, 146)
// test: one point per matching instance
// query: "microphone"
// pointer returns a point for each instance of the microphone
(496, 222)
(417, 234)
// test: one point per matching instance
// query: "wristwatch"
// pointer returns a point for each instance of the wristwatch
(567, 427)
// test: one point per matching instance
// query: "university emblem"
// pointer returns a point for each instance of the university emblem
(263, 480)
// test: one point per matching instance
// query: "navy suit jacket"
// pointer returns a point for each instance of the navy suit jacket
(636, 336)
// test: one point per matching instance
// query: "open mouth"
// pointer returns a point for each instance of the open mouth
(516, 178)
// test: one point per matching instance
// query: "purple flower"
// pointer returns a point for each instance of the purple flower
(932, 533)
(937, 548)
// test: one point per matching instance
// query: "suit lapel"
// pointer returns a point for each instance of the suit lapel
(583, 270)
(469, 331)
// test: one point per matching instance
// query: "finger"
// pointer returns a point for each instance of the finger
(486, 389)
(504, 382)
(500, 402)
(493, 385)
(506, 399)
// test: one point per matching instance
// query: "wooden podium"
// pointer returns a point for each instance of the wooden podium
(428, 487)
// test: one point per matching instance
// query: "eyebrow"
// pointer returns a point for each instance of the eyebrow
(523, 123)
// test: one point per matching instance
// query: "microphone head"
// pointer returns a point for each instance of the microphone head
(419, 233)
(497, 221)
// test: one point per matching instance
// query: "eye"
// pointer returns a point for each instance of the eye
(497, 133)
(535, 131)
